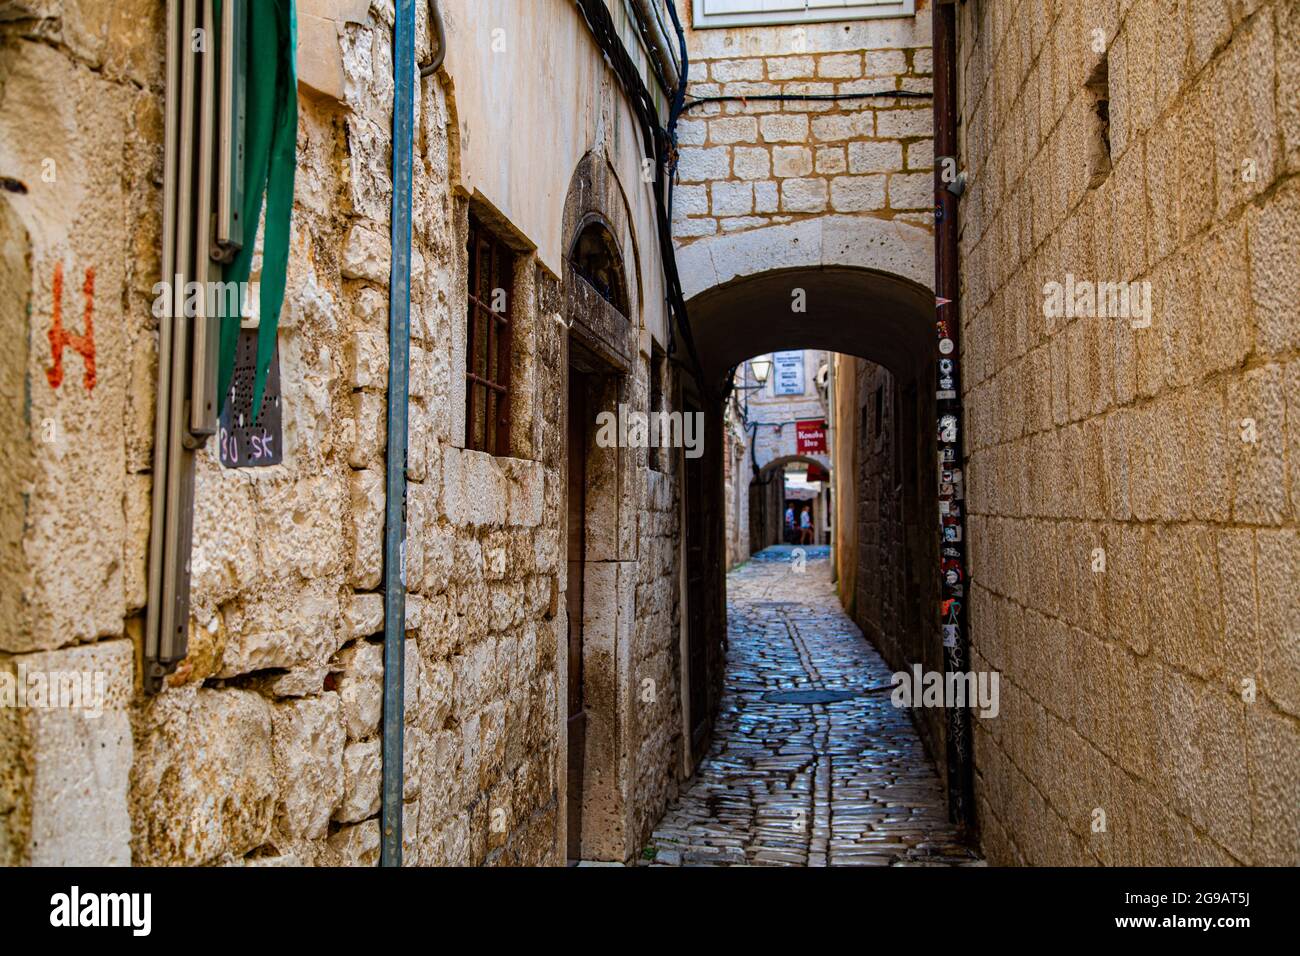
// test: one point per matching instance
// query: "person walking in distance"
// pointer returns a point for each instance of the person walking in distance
(805, 526)
(789, 524)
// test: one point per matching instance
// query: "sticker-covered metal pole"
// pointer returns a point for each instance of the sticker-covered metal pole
(399, 350)
(952, 497)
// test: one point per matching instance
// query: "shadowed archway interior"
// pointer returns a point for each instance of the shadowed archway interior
(882, 325)
(882, 318)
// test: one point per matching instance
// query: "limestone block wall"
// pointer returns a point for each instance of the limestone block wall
(879, 530)
(1133, 491)
(738, 472)
(263, 747)
(656, 664)
(750, 164)
(283, 683)
(893, 592)
(80, 124)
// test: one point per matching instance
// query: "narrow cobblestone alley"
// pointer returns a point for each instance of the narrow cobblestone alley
(534, 434)
(810, 764)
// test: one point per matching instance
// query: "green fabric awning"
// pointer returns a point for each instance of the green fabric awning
(270, 147)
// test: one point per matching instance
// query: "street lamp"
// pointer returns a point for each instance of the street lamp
(761, 367)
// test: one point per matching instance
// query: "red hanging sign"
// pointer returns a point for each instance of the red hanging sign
(810, 437)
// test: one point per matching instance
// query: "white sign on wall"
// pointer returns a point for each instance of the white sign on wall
(735, 13)
(787, 373)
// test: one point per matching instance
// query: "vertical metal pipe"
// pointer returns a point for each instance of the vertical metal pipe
(399, 349)
(956, 644)
(439, 31)
(159, 539)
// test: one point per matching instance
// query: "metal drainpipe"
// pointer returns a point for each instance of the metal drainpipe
(439, 31)
(956, 643)
(655, 32)
(675, 112)
(399, 354)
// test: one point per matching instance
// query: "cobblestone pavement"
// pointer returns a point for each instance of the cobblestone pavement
(841, 783)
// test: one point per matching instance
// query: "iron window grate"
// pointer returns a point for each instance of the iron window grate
(489, 334)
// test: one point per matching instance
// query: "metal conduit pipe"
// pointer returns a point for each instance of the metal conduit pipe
(439, 31)
(675, 114)
(656, 143)
(655, 31)
(399, 355)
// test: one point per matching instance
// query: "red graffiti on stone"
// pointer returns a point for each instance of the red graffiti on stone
(84, 344)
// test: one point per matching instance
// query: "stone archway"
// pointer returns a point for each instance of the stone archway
(861, 287)
(768, 498)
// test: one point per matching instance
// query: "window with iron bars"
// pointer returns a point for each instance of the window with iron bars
(659, 457)
(488, 342)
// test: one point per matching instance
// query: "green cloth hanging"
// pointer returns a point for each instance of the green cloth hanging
(270, 148)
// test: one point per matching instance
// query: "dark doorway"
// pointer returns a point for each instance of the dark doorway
(576, 524)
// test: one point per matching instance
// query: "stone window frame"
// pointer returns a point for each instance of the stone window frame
(497, 321)
(657, 368)
(525, 314)
(721, 14)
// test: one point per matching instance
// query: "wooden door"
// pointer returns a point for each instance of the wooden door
(576, 534)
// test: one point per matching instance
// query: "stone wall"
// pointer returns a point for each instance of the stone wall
(656, 662)
(1134, 543)
(893, 592)
(80, 217)
(750, 164)
(263, 747)
(738, 472)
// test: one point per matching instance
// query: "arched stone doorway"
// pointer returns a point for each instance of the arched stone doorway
(601, 310)
(860, 287)
(769, 498)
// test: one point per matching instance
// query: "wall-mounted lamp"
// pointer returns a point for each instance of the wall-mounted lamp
(761, 367)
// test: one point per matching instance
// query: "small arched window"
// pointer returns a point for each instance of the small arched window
(595, 257)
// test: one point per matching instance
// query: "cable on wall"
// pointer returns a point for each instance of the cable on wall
(656, 140)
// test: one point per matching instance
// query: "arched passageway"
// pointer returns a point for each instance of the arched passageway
(778, 491)
(881, 325)
(843, 288)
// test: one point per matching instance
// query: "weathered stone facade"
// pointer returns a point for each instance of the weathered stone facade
(750, 164)
(737, 472)
(1131, 487)
(1134, 543)
(264, 746)
(887, 550)
(80, 214)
